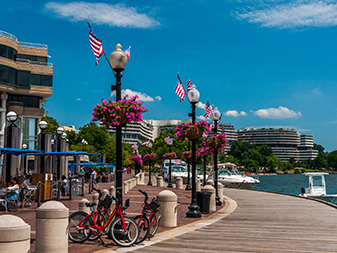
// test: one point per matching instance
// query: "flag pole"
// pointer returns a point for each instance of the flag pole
(104, 54)
(183, 87)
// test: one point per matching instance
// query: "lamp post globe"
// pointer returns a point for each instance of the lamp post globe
(11, 116)
(59, 131)
(24, 146)
(64, 135)
(118, 58)
(193, 94)
(43, 125)
(216, 114)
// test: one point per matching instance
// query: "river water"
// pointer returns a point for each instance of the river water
(292, 184)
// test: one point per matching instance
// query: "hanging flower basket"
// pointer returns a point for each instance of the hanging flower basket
(150, 156)
(124, 111)
(215, 141)
(170, 155)
(187, 154)
(192, 131)
(137, 159)
(204, 151)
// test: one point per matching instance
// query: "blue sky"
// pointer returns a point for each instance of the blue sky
(262, 63)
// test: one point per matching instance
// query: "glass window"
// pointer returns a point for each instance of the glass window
(4, 72)
(29, 132)
(23, 78)
(10, 53)
(46, 80)
(28, 101)
(23, 56)
(3, 50)
(35, 79)
(12, 76)
(41, 59)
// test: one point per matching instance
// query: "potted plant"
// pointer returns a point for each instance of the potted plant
(218, 141)
(124, 111)
(204, 151)
(187, 154)
(137, 159)
(150, 156)
(192, 131)
(170, 156)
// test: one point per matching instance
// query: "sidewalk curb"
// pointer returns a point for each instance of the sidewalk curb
(230, 207)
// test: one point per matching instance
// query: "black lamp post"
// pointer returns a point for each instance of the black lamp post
(216, 116)
(59, 131)
(193, 212)
(118, 60)
(204, 181)
(188, 186)
(24, 146)
(43, 126)
(84, 143)
(150, 182)
(10, 132)
(169, 185)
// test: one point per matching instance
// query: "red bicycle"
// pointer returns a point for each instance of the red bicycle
(122, 230)
(148, 226)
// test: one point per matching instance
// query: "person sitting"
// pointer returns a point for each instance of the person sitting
(28, 182)
(13, 189)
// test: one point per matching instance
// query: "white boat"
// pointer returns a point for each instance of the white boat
(317, 187)
(230, 177)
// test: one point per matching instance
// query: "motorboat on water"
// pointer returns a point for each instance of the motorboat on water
(317, 187)
(229, 176)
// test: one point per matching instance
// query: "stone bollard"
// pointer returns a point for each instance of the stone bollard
(95, 198)
(137, 179)
(105, 193)
(112, 191)
(130, 185)
(211, 189)
(142, 179)
(82, 207)
(160, 182)
(179, 183)
(168, 208)
(210, 182)
(220, 191)
(14, 234)
(125, 187)
(52, 228)
(198, 185)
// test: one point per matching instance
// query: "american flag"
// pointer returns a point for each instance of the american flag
(128, 52)
(189, 85)
(180, 90)
(96, 44)
(209, 110)
(147, 143)
(135, 146)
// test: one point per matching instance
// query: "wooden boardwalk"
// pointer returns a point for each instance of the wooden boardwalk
(262, 222)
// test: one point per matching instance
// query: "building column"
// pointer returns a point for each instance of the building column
(4, 98)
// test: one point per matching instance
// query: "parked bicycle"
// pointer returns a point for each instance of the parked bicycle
(148, 226)
(122, 230)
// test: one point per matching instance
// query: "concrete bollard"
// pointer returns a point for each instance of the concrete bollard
(52, 228)
(105, 193)
(160, 182)
(112, 191)
(210, 182)
(179, 183)
(168, 208)
(212, 203)
(125, 187)
(82, 207)
(130, 185)
(14, 234)
(142, 179)
(95, 198)
(137, 179)
(220, 191)
(198, 185)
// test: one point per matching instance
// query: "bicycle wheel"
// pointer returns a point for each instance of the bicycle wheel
(76, 233)
(144, 227)
(100, 221)
(154, 223)
(124, 238)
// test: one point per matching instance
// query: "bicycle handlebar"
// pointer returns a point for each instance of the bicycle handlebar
(99, 192)
(145, 194)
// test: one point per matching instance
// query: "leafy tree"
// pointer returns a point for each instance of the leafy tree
(72, 137)
(52, 124)
(319, 147)
(321, 160)
(285, 166)
(94, 135)
(332, 159)
(271, 163)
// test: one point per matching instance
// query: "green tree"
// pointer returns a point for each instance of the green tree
(332, 159)
(72, 137)
(319, 147)
(94, 135)
(52, 124)
(321, 161)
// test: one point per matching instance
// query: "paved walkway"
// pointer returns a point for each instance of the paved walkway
(261, 222)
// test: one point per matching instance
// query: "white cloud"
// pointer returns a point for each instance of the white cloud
(202, 118)
(316, 91)
(200, 105)
(79, 99)
(141, 96)
(295, 14)
(101, 13)
(277, 113)
(235, 113)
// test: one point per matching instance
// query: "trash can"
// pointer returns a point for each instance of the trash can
(203, 199)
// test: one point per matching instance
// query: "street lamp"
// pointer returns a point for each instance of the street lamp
(188, 186)
(11, 134)
(118, 60)
(84, 143)
(11, 117)
(216, 116)
(24, 146)
(43, 126)
(150, 182)
(170, 142)
(59, 131)
(193, 212)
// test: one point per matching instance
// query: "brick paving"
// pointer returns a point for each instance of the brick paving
(136, 201)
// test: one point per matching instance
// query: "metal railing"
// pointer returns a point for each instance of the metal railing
(35, 45)
(8, 35)
(39, 63)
